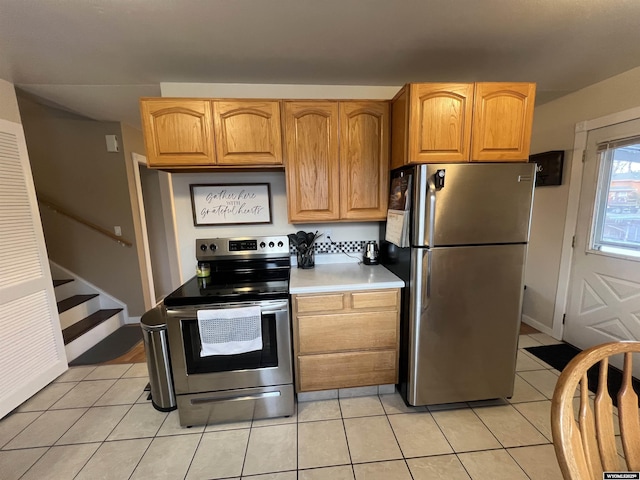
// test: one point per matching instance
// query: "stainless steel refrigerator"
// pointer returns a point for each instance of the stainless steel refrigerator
(464, 275)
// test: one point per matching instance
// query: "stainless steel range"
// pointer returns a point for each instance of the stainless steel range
(245, 272)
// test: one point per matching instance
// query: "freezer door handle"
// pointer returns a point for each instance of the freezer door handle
(433, 189)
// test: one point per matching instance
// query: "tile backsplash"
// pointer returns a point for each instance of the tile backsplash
(352, 246)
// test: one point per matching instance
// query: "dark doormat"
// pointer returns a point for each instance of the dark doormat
(558, 356)
(112, 347)
(555, 355)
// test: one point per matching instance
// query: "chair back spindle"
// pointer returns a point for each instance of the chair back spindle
(603, 406)
(585, 441)
(628, 413)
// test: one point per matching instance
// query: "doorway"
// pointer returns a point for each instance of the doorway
(604, 290)
(158, 228)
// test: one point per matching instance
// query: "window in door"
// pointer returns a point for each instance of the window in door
(616, 221)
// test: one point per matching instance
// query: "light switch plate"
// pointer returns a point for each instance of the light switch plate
(112, 143)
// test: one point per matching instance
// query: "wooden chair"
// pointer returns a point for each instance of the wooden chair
(587, 447)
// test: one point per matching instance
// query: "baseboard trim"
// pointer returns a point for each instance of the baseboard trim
(539, 326)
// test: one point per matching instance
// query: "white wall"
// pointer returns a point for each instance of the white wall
(554, 129)
(156, 232)
(187, 233)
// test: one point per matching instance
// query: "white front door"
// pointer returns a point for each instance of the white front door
(604, 291)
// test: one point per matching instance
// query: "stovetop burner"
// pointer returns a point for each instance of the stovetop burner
(242, 269)
(197, 291)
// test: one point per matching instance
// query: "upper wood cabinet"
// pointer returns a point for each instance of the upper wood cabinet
(337, 160)
(502, 121)
(183, 133)
(177, 132)
(247, 132)
(452, 122)
(364, 160)
(311, 143)
(443, 114)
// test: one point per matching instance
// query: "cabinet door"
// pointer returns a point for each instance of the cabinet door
(399, 128)
(247, 132)
(364, 160)
(311, 142)
(347, 331)
(502, 121)
(440, 122)
(177, 132)
(346, 370)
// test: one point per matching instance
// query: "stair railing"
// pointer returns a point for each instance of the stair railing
(87, 223)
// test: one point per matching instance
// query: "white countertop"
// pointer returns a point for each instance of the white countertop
(335, 277)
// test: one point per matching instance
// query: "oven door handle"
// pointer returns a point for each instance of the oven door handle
(256, 396)
(276, 307)
(265, 307)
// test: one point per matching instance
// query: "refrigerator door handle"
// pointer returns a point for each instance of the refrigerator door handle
(421, 279)
(418, 304)
(428, 275)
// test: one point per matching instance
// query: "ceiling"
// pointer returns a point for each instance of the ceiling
(96, 57)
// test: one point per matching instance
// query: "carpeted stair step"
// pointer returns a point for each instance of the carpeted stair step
(63, 281)
(74, 301)
(74, 331)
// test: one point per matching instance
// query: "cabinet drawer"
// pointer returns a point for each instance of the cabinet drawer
(374, 299)
(319, 303)
(344, 370)
(347, 331)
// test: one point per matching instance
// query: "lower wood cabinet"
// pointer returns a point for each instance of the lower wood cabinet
(346, 339)
(344, 370)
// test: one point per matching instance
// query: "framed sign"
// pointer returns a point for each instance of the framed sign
(235, 204)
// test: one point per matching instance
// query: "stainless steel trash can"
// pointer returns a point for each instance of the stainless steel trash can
(156, 347)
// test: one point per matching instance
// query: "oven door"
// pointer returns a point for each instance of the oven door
(193, 373)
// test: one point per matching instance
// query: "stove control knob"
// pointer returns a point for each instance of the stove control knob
(280, 244)
(262, 244)
(271, 244)
(203, 247)
(213, 247)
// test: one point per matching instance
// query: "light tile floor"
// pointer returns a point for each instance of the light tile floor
(96, 423)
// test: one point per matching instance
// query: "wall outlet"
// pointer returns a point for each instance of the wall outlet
(117, 230)
(327, 233)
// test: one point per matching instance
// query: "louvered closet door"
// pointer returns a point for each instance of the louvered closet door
(31, 346)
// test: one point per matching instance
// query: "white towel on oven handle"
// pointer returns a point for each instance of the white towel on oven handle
(230, 331)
